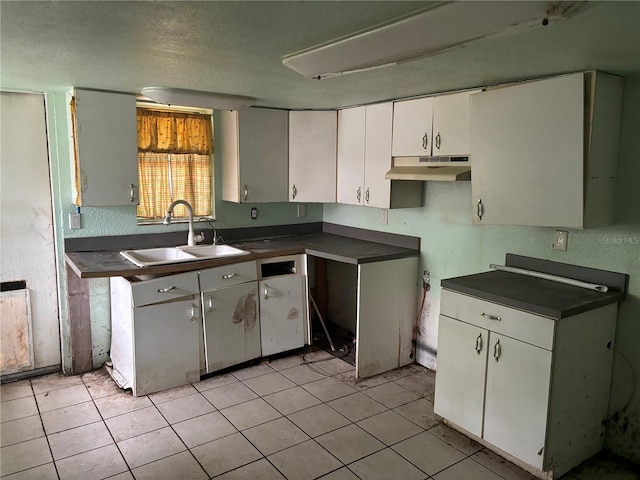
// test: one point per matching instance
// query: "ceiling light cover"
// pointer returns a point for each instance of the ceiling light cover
(441, 27)
(193, 98)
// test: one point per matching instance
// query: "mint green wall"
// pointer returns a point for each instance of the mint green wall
(452, 246)
(107, 221)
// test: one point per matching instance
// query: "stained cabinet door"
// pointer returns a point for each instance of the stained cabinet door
(255, 156)
(460, 383)
(312, 156)
(517, 399)
(231, 326)
(282, 313)
(165, 345)
(106, 139)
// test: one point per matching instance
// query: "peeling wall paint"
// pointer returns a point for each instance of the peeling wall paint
(452, 246)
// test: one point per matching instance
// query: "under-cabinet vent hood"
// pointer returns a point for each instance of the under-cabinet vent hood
(444, 169)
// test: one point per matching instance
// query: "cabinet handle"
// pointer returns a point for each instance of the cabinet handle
(245, 192)
(266, 291)
(229, 275)
(192, 312)
(491, 317)
(294, 191)
(359, 194)
(497, 350)
(480, 209)
(166, 290)
(479, 343)
(210, 302)
(425, 141)
(438, 141)
(132, 192)
(366, 195)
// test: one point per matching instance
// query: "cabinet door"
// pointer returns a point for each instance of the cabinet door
(282, 313)
(387, 297)
(460, 383)
(517, 398)
(255, 155)
(165, 345)
(312, 156)
(351, 154)
(231, 329)
(412, 126)
(527, 153)
(451, 124)
(107, 143)
(379, 123)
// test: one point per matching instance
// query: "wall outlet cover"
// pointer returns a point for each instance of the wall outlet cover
(254, 213)
(384, 216)
(75, 221)
(561, 238)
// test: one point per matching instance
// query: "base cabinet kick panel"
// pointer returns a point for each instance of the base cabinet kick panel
(532, 388)
(156, 325)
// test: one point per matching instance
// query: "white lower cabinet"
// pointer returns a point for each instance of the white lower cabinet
(282, 313)
(156, 326)
(230, 315)
(534, 388)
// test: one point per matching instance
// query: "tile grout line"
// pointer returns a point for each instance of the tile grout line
(109, 430)
(46, 436)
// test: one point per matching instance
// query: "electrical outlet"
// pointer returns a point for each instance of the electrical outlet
(75, 221)
(254, 213)
(384, 216)
(302, 210)
(560, 240)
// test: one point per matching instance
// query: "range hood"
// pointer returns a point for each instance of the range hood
(444, 169)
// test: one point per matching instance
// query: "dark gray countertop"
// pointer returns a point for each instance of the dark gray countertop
(543, 297)
(324, 245)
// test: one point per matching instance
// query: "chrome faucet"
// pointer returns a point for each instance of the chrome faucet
(191, 238)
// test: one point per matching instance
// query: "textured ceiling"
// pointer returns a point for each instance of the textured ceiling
(236, 47)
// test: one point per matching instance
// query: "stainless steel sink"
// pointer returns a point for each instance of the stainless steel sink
(161, 256)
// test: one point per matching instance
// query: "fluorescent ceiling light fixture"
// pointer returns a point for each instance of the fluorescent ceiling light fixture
(430, 31)
(193, 98)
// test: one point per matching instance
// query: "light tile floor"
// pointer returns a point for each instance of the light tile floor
(277, 420)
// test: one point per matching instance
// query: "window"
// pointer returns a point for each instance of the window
(174, 162)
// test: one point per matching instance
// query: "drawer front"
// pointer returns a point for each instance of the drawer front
(164, 289)
(513, 323)
(228, 275)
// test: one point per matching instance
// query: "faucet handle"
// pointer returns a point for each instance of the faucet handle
(199, 238)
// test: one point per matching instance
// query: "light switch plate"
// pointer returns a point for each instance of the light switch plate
(560, 240)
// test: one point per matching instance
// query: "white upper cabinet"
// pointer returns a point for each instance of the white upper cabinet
(255, 158)
(437, 125)
(351, 155)
(545, 152)
(451, 124)
(412, 127)
(364, 156)
(107, 148)
(312, 156)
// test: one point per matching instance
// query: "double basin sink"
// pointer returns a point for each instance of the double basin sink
(160, 256)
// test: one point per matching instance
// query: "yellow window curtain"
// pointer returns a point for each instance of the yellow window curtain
(187, 170)
(153, 178)
(174, 132)
(174, 162)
